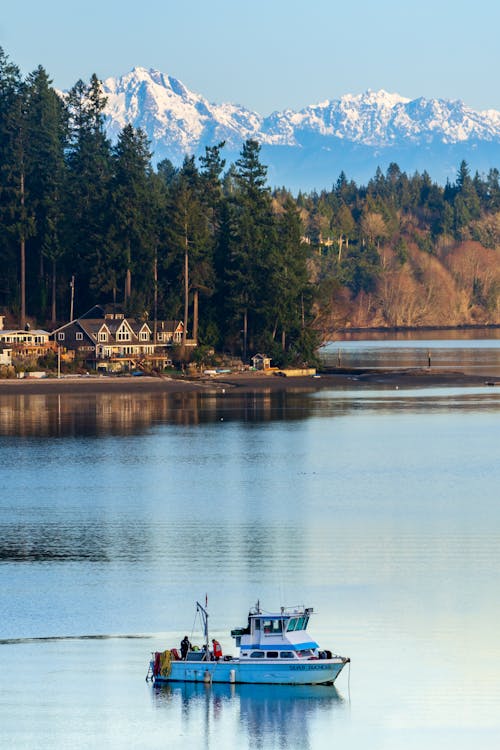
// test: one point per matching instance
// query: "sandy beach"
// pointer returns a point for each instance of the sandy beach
(242, 382)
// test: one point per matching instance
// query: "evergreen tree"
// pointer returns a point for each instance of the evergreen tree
(493, 190)
(45, 179)
(252, 241)
(186, 264)
(15, 217)
(132, 230)
(88, 189)
(290, 301)
(210, 264)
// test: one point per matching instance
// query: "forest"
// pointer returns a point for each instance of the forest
(246, 267)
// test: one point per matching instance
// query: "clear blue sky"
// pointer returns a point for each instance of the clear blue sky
(268, 54)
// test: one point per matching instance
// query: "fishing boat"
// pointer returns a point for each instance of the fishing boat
(274, 648)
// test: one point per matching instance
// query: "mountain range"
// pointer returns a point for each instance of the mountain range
(308, 149)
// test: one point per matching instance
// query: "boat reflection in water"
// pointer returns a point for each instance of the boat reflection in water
(290, 712)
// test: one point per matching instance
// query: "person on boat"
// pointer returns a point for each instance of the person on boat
(217, 649)
(185, 646)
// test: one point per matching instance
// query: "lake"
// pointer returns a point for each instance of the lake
(377, 506)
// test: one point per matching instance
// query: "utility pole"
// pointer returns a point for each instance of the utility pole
(23, 255)
(155, 321)
(186, 286)
(72, 302)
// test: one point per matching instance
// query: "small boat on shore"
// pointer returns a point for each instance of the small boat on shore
(274, 648)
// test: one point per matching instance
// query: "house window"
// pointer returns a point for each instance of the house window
(79, 336)
(103, 336)
(144, 336)
(159, 336)
(60, 336)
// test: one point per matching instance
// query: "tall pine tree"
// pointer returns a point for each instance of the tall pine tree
(45, 183)
(88, 189)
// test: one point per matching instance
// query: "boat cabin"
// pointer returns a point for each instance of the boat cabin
(276, 635)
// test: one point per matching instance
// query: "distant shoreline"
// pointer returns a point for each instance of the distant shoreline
(241, 382)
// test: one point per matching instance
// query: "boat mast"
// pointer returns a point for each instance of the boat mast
(204, 616)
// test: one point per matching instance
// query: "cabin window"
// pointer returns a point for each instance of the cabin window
(257, 655)
(304, 652)
(272, 654)
(292, 623)
(286, 655)
(271, 627)
(300, 623)
(257, 624)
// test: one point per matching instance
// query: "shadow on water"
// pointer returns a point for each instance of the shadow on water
(284, 711)
(103, 415)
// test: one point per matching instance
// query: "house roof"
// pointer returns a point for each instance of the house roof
(18, 331)
(92, 325)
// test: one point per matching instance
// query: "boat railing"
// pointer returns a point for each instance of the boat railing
(297, 610)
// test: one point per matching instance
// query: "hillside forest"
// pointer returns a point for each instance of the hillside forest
(247, 268)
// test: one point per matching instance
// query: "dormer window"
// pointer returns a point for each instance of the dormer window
(123, 335)
(103, 336)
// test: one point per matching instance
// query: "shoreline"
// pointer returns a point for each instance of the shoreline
(243, 382)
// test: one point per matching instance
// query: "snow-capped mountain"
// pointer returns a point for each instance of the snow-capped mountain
(377, 118)
(309, 148)
(176, 120)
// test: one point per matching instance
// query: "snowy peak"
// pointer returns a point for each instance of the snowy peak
(378, 118)
(348, 133)
(180, 121)
(172, 115)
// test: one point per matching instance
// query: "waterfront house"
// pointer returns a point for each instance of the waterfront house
(26, 343)
(105, 339)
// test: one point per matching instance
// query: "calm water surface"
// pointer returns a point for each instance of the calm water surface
(380, 508)
(475, 352)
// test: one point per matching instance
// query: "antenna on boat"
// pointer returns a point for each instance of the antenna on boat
(204, 617)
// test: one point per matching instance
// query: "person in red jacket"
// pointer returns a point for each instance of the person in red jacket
(217, 649)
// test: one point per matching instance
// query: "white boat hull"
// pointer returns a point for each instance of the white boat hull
(271, 672)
